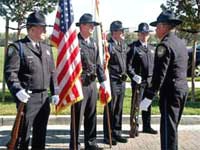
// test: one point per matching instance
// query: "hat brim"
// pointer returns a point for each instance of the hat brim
(144, 31)
(173, 22)
(94, 23)
(121, 29)
(36, 24)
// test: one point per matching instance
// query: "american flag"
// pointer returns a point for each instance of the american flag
(68, 66)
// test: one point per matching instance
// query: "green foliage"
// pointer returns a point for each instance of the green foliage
(16, 10)
(189, 12)
(130, 37)
(11, 37)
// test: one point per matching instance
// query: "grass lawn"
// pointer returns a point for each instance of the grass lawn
(192, 108)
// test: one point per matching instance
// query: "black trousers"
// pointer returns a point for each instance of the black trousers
(37, 112)
(115, 109)
(146, 118)
(171, 108)
(86, 109)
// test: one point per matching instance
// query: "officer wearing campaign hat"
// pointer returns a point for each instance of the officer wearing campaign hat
(29, 74)
(117, 72)
(85, 110)
(87, 18)
(169, 77)
(140, 60)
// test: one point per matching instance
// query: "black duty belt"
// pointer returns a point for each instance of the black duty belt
(37, 90)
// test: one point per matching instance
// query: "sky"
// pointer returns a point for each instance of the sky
(130, 12)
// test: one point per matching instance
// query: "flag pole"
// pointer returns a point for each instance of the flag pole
(74, 125)
(107, 108)
(109, 128)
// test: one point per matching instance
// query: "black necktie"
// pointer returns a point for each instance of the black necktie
(38, 47)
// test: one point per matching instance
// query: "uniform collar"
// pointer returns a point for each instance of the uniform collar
(32, 45)
(33, 42)
(143, 44)
(116, 42)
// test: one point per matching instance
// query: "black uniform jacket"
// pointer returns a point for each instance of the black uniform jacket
(31, 70)
(170, 68)
(140, 60)
(117, 61)
(90, 60)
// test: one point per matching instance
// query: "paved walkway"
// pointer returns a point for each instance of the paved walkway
(58, 138)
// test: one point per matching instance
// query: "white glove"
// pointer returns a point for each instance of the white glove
(103, 85)
(145, 103)
(55, 99)
(23, 96)
(137, 79)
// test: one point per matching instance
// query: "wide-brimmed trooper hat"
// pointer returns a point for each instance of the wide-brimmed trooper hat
(117, 26)
(36, 18)
(87, 18)
(143, 28)
(167, 17)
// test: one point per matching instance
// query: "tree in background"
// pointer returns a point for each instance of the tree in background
(189, 13)
(16, 10)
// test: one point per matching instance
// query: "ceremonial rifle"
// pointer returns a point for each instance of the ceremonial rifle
(15, 134)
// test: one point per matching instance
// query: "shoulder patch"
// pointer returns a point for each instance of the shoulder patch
(10, 50)
(161, 50)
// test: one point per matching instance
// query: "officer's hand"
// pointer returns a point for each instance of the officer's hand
(137, 79)
(55, 99)
(145, 103)
(103, 85)
(23, 96)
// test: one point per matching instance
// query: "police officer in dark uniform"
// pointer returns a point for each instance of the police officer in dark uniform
(117, 72)
(140, 60)
(29, 72)
(169, 77)
(92, 68)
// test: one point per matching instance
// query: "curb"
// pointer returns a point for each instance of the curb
(65, 120)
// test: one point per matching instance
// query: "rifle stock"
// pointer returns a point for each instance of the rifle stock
(16, 128)
(134, 113)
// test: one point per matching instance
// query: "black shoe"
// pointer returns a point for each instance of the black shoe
(93, 147)
(120, 139)
(114, 142)
(150, 131)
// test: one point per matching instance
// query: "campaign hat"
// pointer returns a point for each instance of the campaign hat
(87, 18)
(36, 18)
(117, 26)
(143, 27)
(168, 17)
